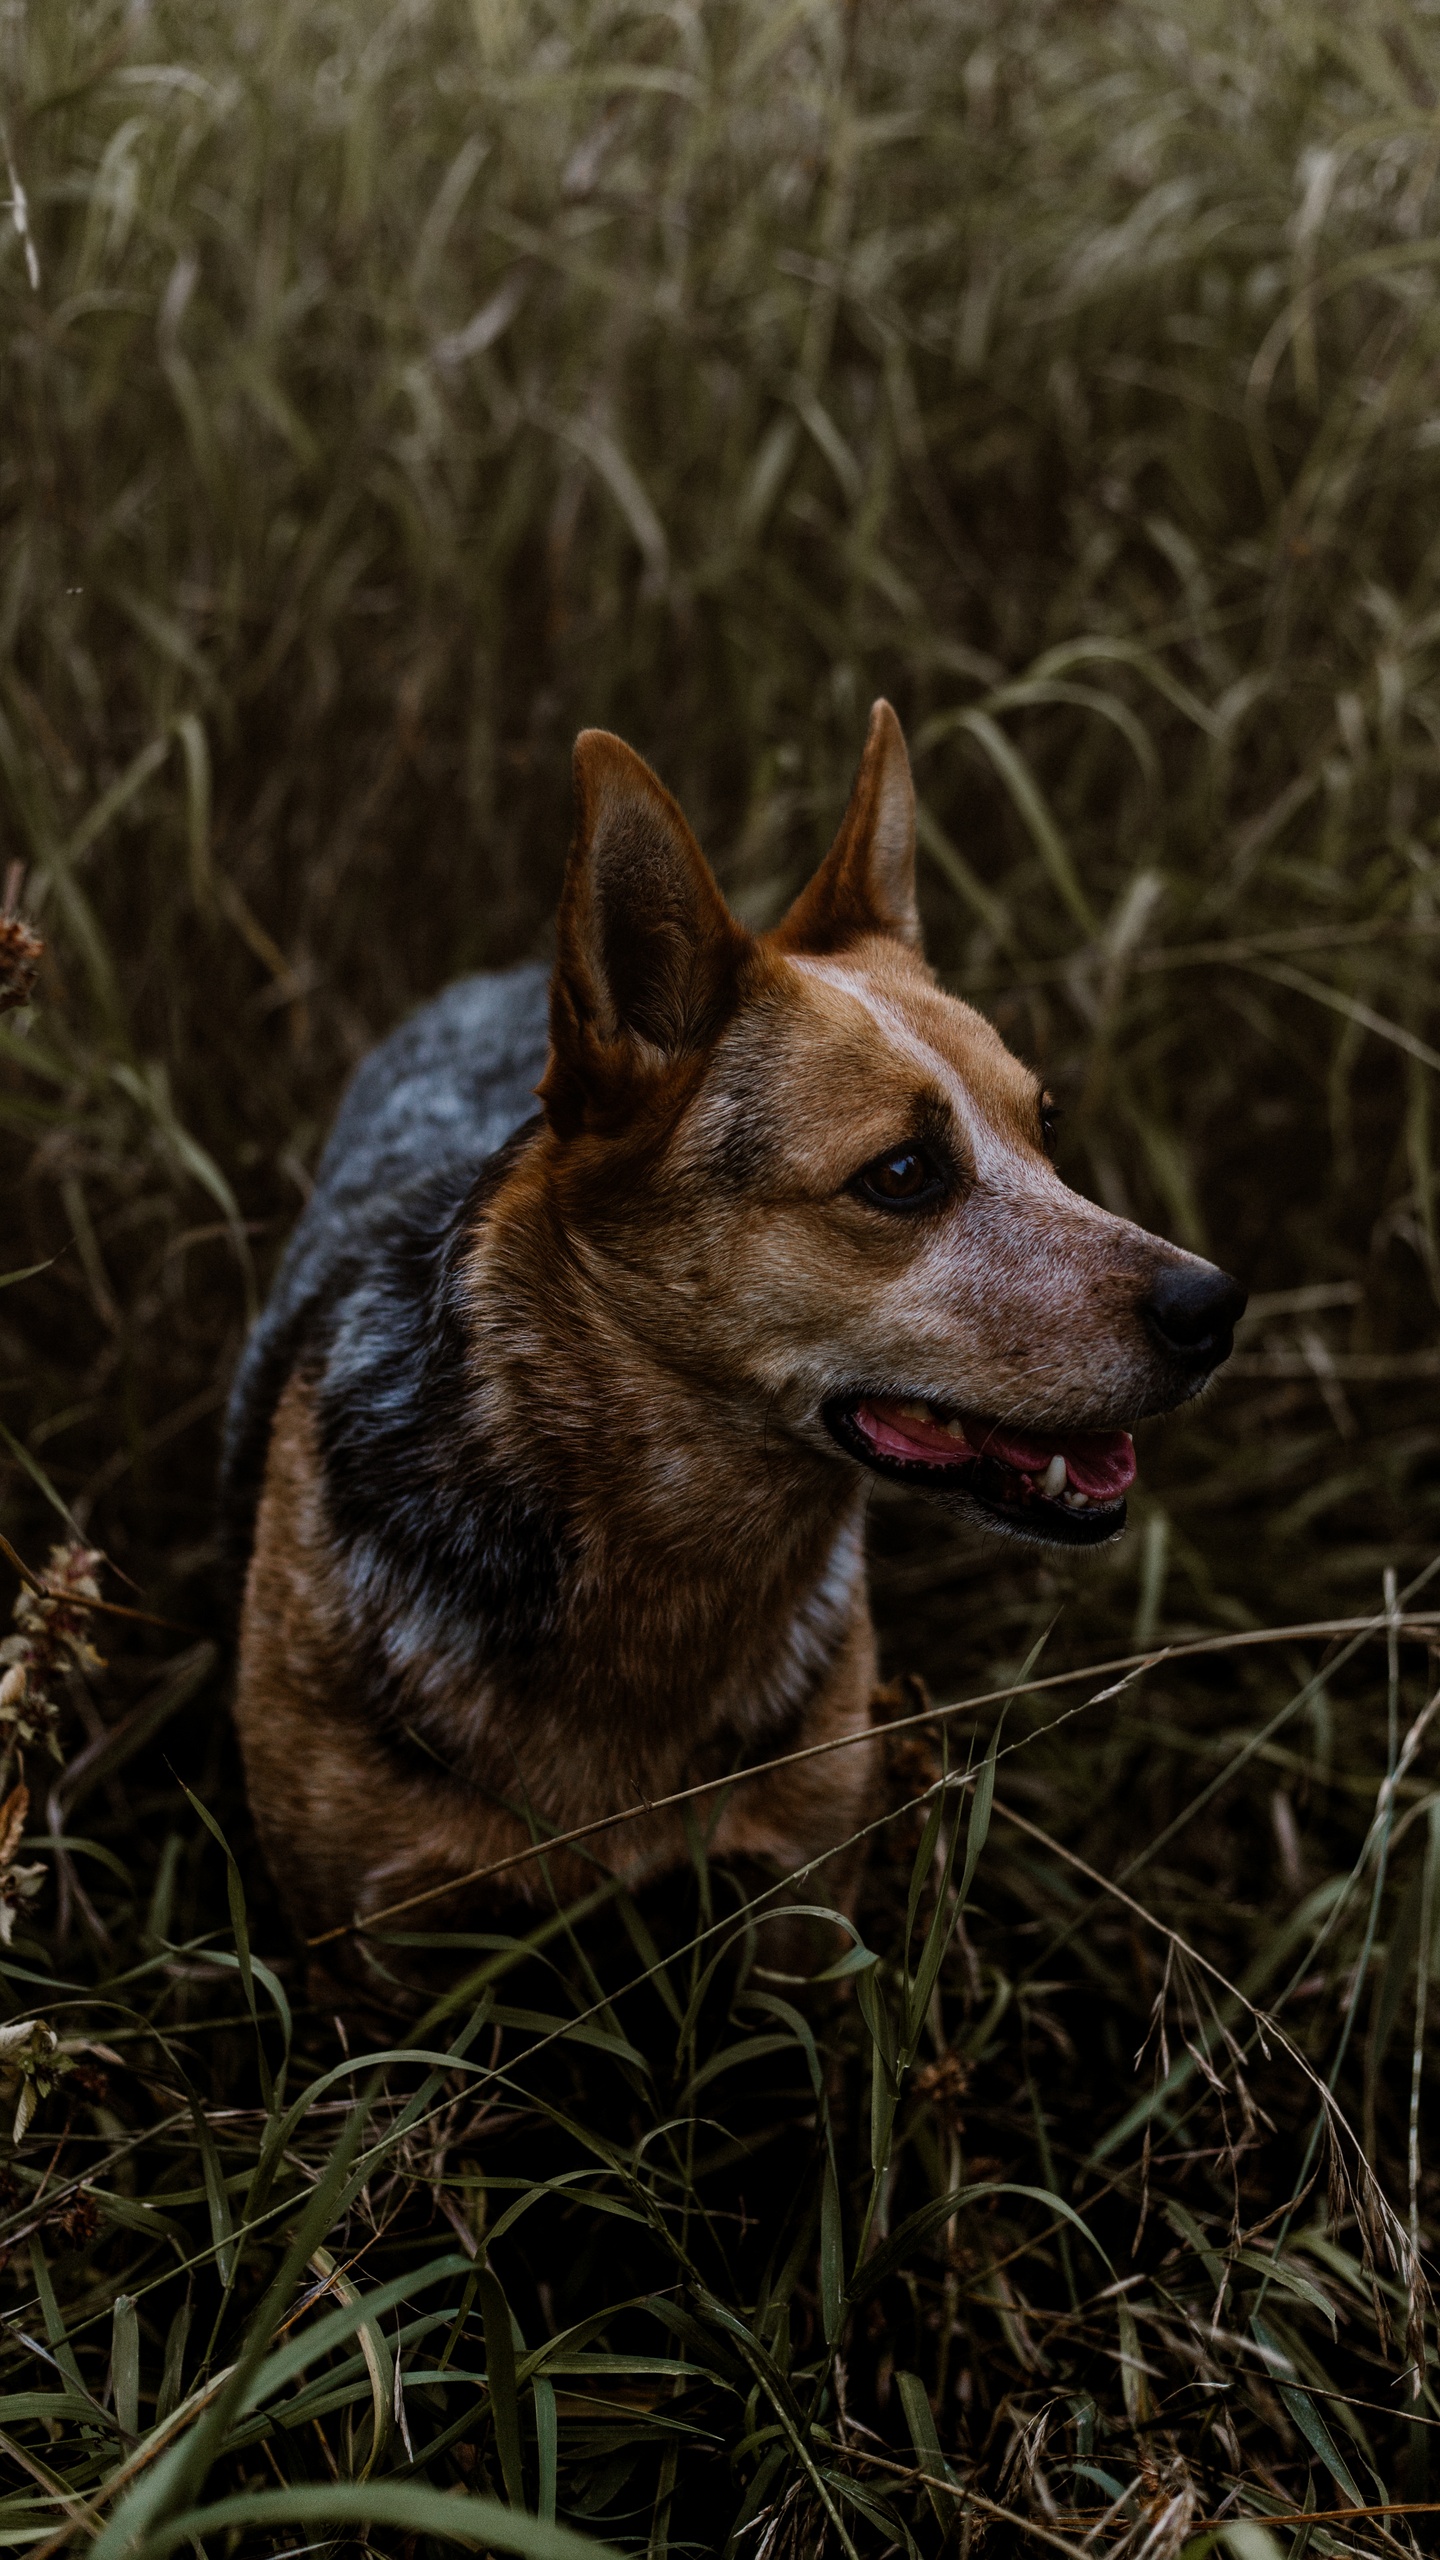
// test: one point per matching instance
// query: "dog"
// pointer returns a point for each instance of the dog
(551, 1448)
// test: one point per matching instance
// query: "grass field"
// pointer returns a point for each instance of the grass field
(390, 388)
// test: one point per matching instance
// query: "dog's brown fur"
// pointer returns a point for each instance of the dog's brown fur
(665, 1283)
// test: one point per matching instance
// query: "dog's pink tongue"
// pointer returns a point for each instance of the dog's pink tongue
(898, 1434)
(1098, 1463)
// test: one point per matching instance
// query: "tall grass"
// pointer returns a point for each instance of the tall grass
(390, 390)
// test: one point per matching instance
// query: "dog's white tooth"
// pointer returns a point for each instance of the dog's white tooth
(1052, 1483)
(1076, 1501)
(914, 1410)
(955, 1429)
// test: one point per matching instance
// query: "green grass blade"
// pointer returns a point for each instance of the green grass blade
(475, 2523)
(500, 2371)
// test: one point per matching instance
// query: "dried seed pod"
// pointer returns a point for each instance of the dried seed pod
(21, 952)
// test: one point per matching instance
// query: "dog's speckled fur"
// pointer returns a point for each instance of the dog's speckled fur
(543, 1519)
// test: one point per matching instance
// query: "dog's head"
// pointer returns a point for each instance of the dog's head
(821, 1187)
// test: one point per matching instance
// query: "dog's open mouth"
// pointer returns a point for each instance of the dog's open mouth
(1066, 1488)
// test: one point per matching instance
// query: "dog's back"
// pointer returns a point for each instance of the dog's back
(422, 1116)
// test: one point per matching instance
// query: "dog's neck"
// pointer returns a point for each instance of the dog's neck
(546, 1516)
(712, 1563)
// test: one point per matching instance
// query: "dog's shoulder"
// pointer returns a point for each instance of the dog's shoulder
(448, 1087)
(426, 1118)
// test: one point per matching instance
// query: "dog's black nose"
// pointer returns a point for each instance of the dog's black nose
(1192, 1311)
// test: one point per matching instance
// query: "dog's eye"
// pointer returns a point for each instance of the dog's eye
(1049, 1123)
(906, 1178)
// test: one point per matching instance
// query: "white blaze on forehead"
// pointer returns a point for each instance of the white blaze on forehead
(997, 1159)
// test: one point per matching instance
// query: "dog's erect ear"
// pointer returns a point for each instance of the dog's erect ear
(866, 883)
(649, 953)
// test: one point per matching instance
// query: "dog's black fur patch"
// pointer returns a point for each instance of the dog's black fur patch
(415, 1493)
(368, 1306)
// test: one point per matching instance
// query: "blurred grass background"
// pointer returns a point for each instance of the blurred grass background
(391, 390)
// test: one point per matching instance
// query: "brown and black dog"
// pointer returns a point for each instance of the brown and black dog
(551, 1448)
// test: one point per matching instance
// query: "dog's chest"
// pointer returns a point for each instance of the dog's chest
(742, 1673)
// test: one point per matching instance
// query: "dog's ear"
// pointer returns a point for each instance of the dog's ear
(866, 883)
(649, 954)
